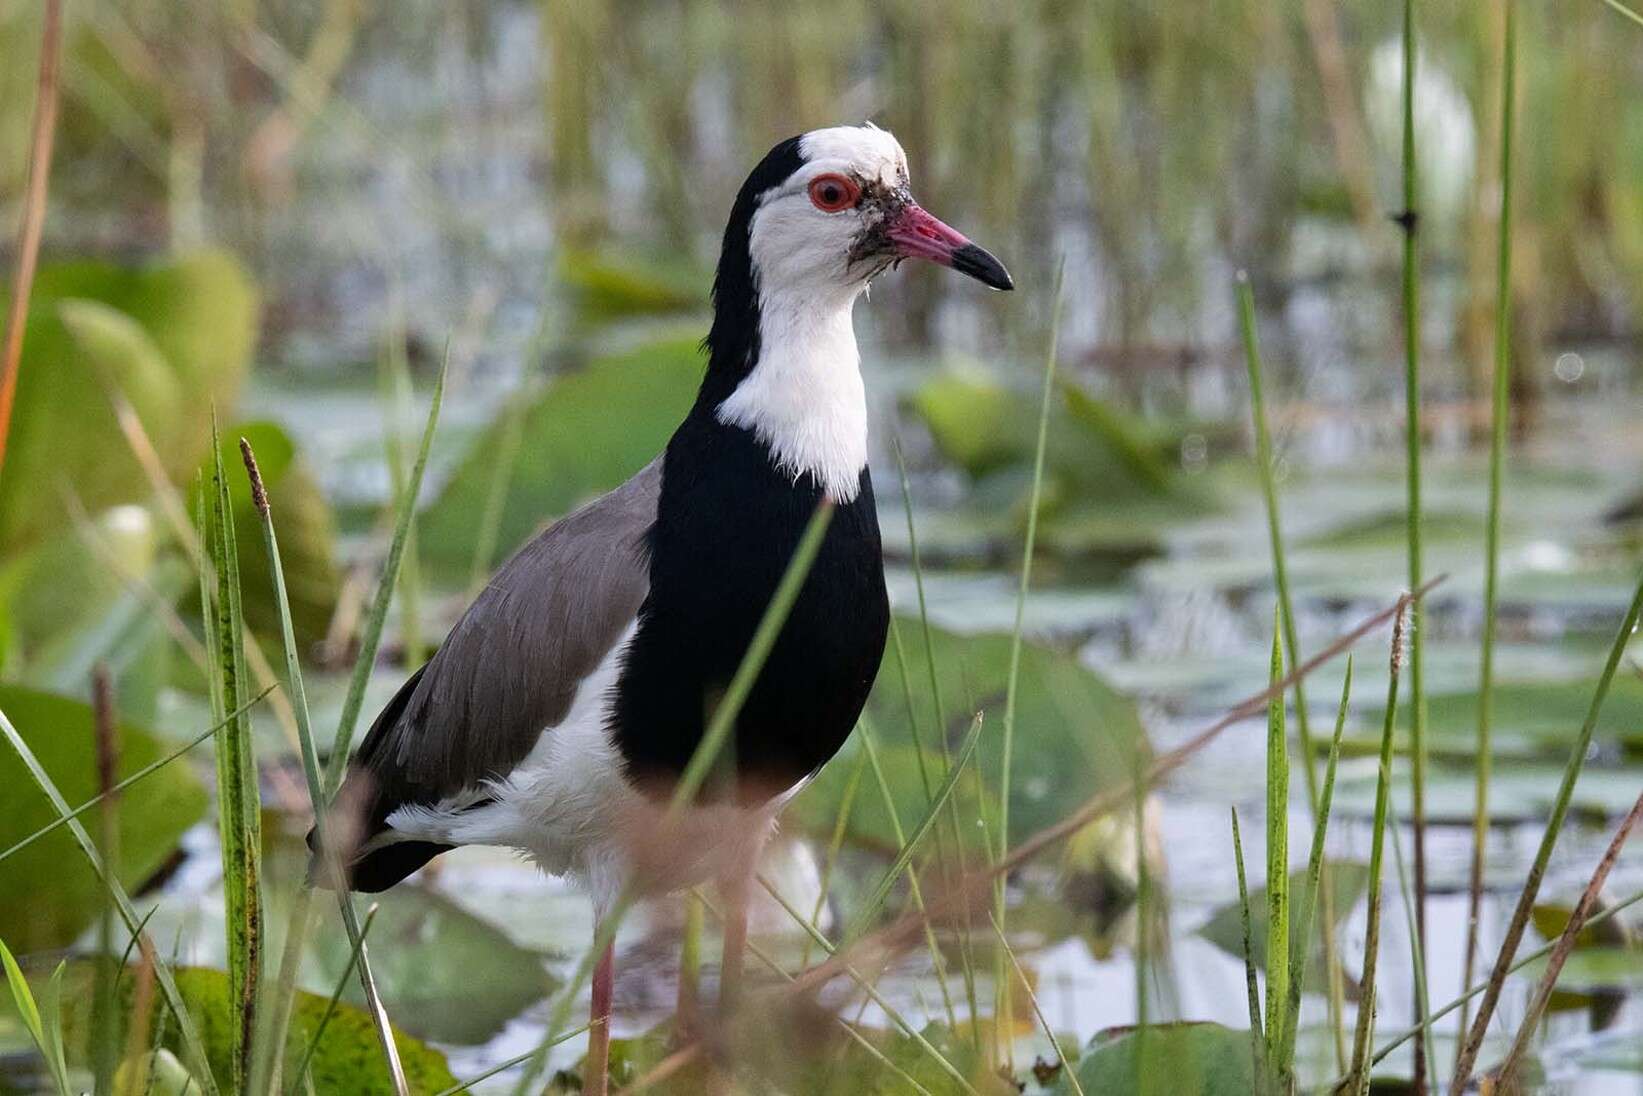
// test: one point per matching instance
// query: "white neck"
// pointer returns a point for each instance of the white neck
(804, 398)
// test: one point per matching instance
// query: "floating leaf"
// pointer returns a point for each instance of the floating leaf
(1183, 1059)
(1225, 927)
(586, 433)
(173, 339)
(443, 973)
(1079, 736)
(606, 289)
(64, 895)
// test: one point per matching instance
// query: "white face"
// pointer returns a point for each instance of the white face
(816, 234)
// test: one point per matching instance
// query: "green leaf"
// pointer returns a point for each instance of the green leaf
(64, 894)
(443, 973)
(586, 433)
(1225, 927)
(606, 289)
(1182, 1059)
(1080, 737)
(173, 338)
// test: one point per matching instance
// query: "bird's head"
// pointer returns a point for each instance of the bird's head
(828, 211)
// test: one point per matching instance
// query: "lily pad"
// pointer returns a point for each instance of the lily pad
(1543, 715)
(1075, 736)
(174, 339)
(444, 974)
(1226, 931)
(1184, 1059)
(64, 895)
(586, 433)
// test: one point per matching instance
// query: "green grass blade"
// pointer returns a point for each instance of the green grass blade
(881, 892)
(938, 964)
(371, 637)
(1409, 221)
(1624, 11)
(1007, 750)
(396, 400)
(301, 1070)
(516, 1060)
(1269, 495)
(50, 1049)
(146, 771)
(1277, 860)
(1257, 1037)
(872, 992)
(1317, 881)
(1500, 414)
(316, 793)
(835, 842)
(1543, 854)
(193, 1047)
(1068, 1071)
(1535, 956)
(239, 803)
(1372, 934)
(51, 1027)
(1426, 1061)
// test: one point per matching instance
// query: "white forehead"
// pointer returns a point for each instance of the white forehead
(866, 150)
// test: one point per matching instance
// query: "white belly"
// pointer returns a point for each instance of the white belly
(570, 806)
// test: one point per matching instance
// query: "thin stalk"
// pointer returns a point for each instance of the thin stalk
(1543, 855)
(1533, 957)
(1564, 945)
(887, 881)
(1269, 493)
(1067, 1069)
(1317, 880)
(1409, 221)
(1623, 10)
(834, 843)
(1426, 1063)
(371, 637)
(193, 1046)
(956, 859)
(396, 384)
(1501, 412)
(868, 988)
(1257, 1030)
(316, 792)
(1004, 1007)
(1372, 934)
(106, 1045)
(301, 1070)
(1277, 865)
(34, 212)
(864, 730)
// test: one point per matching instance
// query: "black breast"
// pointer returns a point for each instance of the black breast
(727, 525)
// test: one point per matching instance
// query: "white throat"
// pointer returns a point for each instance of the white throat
(803, 398)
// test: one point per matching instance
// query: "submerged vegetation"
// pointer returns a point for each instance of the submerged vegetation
(322, 310)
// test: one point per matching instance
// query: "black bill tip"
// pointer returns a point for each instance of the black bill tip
(981, 266)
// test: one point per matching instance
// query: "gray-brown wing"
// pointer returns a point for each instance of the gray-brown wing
(514, 662)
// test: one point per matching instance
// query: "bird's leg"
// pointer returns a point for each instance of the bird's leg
(596, 1068)
(736, 888)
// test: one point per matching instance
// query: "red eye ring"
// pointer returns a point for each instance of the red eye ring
(833, 193)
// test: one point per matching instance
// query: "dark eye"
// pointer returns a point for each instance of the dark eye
(833, 193)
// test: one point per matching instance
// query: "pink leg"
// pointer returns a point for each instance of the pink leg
(735, 889)
(596, 1070)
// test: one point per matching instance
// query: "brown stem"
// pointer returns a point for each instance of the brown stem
(1565, 945)
(34, 213)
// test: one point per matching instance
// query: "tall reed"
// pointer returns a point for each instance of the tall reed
(1500, 413)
